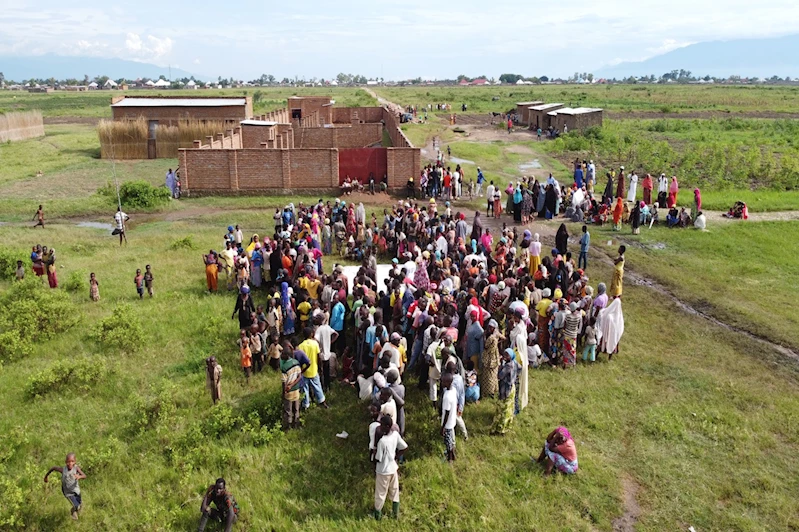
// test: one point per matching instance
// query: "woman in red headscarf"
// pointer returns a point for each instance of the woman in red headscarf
(697, 202)
(618, 209)
(646, 184)
(674, 189)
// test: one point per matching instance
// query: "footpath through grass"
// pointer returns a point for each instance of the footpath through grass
(694, 415)
(741, 272)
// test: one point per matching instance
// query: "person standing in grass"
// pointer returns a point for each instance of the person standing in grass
(246, 354)
(585, 244)
(211, 270)
(506, 376)
(311, 373)
(119, 219)
(449, 415)
(213, 378)
(326, 337)
(139, 282)
(94, 288)
(39, 216)
(291, 377)
(226, 511)
(71, 473)
(389, 447)
(148, 280)
(618, 273)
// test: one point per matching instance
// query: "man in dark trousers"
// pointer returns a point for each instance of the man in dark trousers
(226, 510)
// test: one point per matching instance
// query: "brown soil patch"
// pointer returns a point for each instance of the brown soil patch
(632, 511)
(50, 120)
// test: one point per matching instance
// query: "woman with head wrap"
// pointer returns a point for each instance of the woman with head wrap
(635, 218)
(674, 189)
(518, 197)
(527, 205)
(477, 226)
(562, 239)
(607, 195)
(647, 186)
(618, 210)
(559, 452)
(540, 200)
(489, 360)
(601, 300)
(611, 328)
(550, 202)
(287, 304)
(518, 341)
(506, 376)
(535, 254)
(697, 202)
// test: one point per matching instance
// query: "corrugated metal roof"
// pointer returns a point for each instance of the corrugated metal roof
(180, 102)
(576, 111)
(545, 106)
(257, 123)
(529, 103)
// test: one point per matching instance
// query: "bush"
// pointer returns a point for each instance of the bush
(121, 330)
(76, 282)
(142, 195)
(8, 262)
(154, 413)
(13, 347)
(75, 374)
(13, 499)
(98, 456)
(187, 242)
(35, 312)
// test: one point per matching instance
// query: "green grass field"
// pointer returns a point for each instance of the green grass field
(96, 104)
(697, 424)
(695, 417)
(624, 98)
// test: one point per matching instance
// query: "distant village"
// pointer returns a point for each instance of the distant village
(349, 80)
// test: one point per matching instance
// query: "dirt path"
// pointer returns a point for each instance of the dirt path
(632, 511)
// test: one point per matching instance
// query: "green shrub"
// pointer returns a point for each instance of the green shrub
(154, 413)
(142, 195)
(121, 330)
(8, 262)
(36, 312)
(98, 456)
(13, 498)
(13, 347)
(76, 374)
(76, 282)
(187, 242)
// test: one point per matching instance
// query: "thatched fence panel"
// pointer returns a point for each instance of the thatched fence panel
(21, 126)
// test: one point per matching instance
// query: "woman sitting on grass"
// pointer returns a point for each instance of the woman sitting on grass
(559, 452)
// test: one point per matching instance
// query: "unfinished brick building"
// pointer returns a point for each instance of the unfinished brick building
(575, 119)
(309, 145)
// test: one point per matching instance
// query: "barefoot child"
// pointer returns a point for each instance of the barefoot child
(246, 354)
(139, 282)
(70, 475)
(94, 288)
(148, 280)
(40, 217)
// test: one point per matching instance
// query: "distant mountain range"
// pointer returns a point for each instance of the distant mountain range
(743, 57)
(64, 67)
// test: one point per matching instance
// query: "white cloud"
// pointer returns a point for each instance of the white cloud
(196, 61)
(151, 48)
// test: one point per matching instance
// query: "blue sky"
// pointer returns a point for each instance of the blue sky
(395, 40)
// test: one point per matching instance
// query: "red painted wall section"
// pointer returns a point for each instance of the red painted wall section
(358, 162)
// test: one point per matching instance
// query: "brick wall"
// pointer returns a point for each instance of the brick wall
(246, 171)
(354, 136)
(311, 104)
(402, 163)
(345, 115)
(398, 138)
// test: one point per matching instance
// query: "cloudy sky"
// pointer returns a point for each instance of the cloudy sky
(392, 39)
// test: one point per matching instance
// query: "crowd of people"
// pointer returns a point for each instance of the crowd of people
(462, 315)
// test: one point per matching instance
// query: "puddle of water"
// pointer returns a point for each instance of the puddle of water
(457, 160)
(532, 165)
(657, 245)
(96, 225)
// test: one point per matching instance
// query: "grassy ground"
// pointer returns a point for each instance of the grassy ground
(652, 98)
(738, 272)
(682, 400)
(95, 104)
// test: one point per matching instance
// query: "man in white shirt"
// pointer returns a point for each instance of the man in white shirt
(490, 198)
(449, 414)
(441, 245)
(389, 447)
(325, 335)
(239, 236)
(120, 218)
